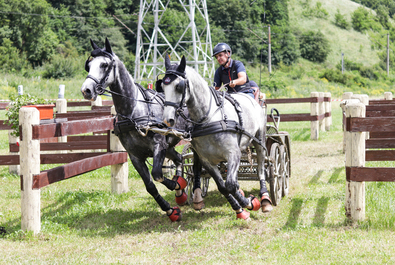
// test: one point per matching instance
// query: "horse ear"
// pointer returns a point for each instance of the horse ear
(108, 46)
(167, 61)
(183, 63)
(94, 46)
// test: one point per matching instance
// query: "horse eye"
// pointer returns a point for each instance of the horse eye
(104, 65)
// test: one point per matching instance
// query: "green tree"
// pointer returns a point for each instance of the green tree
(314, 46)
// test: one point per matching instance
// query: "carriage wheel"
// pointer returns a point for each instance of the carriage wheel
(275, 176)
(285, 169)
(187, 170)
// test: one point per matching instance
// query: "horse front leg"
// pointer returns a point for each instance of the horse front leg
(178, 183)
(139, 164)
(251, 203)
(216, 175)
(198, 202)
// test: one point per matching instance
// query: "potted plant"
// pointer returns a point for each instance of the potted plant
(45, 107)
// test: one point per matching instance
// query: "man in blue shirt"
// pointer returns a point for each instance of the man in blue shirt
(232, 73)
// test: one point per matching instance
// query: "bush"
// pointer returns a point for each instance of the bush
(334, 75)
(318, 11)
(362, 20)
(61, 67)
(11, 60)
(314, 46)
(340, 21)
(349, 65)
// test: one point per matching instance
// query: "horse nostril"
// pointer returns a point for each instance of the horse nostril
(88, 91)
(171, 122)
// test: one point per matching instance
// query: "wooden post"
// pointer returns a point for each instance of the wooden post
(13, 169)
(365, 101)
(328, 109)
(321, 110)
(61, 107)
(119, 172)
(346, 98)
(30, 166)
(355, 157)
(314, 111)
(388, 95)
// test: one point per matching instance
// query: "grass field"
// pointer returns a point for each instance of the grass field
(84, 223)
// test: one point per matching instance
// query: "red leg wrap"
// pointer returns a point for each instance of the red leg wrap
(243, 215)
(176, 215)
(181, 200)
(255, 203)
(181, 182)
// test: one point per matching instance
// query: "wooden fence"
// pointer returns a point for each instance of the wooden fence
(378, 120)
(319, 115)
(30, 158)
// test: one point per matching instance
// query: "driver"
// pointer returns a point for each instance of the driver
(231, 72)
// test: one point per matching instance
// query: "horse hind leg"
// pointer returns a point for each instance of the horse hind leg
(266, 203)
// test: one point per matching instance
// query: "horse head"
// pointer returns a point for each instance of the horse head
(101, 71)
(175, 85)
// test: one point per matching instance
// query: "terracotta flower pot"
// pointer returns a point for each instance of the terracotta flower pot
(46, 110)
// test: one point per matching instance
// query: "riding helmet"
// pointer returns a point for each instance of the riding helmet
(221, 47)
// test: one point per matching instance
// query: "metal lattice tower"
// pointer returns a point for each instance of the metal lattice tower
(152, 40)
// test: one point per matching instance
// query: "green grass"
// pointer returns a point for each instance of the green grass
(84, 223)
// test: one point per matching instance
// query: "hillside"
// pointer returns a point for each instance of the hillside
(356, 46)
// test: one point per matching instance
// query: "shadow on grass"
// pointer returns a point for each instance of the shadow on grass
(335, 175)
(100, 213)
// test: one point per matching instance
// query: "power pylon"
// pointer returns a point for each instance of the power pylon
(153, 40)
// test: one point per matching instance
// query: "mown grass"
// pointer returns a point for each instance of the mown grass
(83, 222)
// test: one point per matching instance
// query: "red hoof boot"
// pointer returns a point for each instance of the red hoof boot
(243, 215)
(181, 182)
(175, 215)
(181, 200)
(266, 204)
(255, 203)
(242, 192)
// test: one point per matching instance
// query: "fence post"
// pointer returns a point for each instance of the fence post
(314, 112)
(328, 109)
(13, 169)
(97, 102)
(30, 166)
(61, 107)
(355, 157)
(321, 107)
(346, 96)
(119, 172)
(388, 95)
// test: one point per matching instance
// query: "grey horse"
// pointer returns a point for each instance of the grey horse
(136, 106)
(220, 133)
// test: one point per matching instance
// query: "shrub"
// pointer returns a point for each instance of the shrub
(318, 11)
(60, 67)
(314, 46)
(11, 60)
(349, 65)
(362, 20)
(340, 20)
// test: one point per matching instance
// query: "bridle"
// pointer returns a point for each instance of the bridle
(99, 87)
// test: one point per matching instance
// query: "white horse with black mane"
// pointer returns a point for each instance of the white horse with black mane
(137, 108)
(224, 126)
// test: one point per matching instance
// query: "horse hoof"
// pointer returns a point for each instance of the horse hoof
(198, 202)
(266, 204)
(198, 205)
(181, 182)
(181, 200)
(255, 203)
(243, 215)
(242, 192)
(175, 215)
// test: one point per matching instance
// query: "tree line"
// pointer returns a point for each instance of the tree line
(53, 35)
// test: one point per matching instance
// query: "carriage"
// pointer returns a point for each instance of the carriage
(277, 163)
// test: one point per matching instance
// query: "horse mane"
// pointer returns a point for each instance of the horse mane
(194, 77)
(123, 73)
